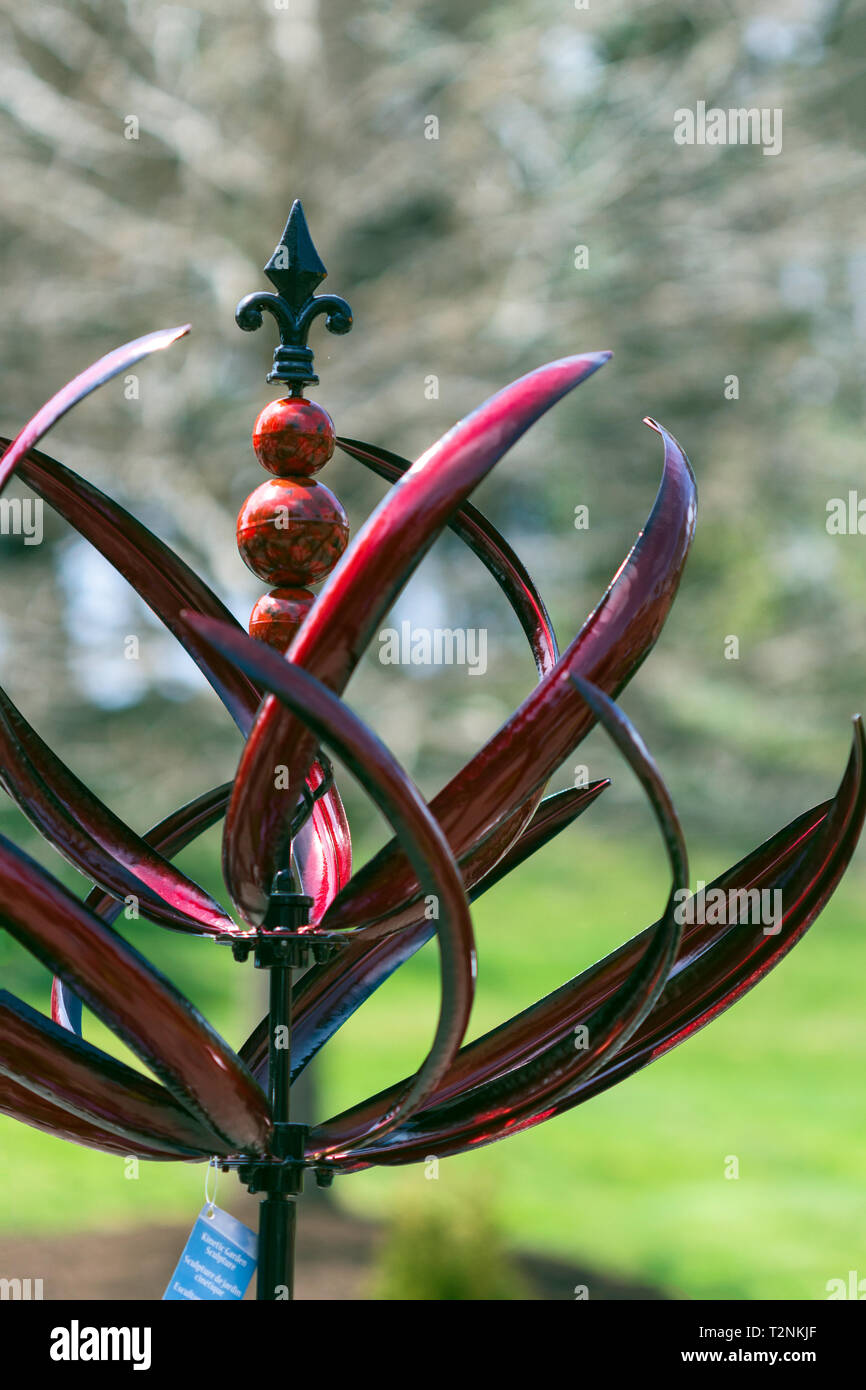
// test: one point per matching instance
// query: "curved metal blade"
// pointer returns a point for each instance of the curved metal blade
(322, 849)
(399, 800)
(118, 360)
(136, 1002)
(485, 541)
(94, 1086)
(554, 814)
(536, 1082)
(492, 549)
(551, 722)
(28, 1108)
(322, 865)
(159, 576)
(717, 964)
(355, 599)
(327, 995)
(92, 838)
(168, 586)
(169, 836)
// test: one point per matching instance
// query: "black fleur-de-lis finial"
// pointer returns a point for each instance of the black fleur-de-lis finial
(295, 270)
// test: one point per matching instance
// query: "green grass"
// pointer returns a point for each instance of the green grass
(632, 1182)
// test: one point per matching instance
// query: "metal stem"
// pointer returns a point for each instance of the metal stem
(281, 949)
(276, 1274)
(279, 1043)
(278, 1211)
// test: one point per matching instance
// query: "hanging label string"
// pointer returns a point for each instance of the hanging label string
(210, 1201)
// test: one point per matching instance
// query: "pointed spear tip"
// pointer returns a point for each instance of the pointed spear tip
(295, 268)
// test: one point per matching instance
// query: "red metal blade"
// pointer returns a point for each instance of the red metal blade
(716, 965)
(118, 360)
(138, 1003)
(165, 583)
(26, 1106)
(364, 585)
(399, 800)
(503, 1100)
(492, 549)
(553, 719)
(327, 995)
(92, 838)
(94, 1086)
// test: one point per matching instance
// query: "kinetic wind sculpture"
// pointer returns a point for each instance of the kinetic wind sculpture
(287, 856)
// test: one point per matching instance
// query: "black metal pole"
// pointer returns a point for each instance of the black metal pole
(277, 1221)
(278, 1211)
(279, 1042)
(281, 948)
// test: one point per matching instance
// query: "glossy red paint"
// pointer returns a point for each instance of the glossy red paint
(716, 965)
(118, 360)
(293, 437)
(541, 1078)
(400, 801)
(169, 836)
(356, 598)
(322, 853)
(292, 531)
(169, 586)
(159, 576)
(278, 615)
(92, 838)
(94, 1086)
(512, 577)
(327, 995)
(555, 813)
(551, 722)
(492, 549)
(30, 1108)
(138, 1003)
(645, 998)
(322, 849)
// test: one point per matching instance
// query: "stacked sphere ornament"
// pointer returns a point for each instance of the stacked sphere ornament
(292, 530)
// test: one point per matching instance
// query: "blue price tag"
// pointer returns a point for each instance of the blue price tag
(218, 1260)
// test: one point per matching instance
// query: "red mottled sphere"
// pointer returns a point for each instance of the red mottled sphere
(292, 531)
(278, 615)
(293, 437)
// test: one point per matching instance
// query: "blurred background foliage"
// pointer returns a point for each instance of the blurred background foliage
(555, 131)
